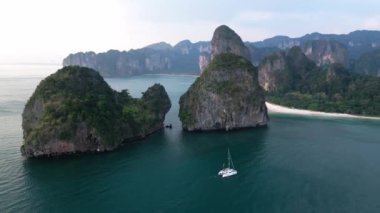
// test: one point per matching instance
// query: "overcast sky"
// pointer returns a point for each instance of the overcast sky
(48, 30)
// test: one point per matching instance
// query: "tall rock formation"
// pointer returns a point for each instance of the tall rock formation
(324, 52)
(226, 40)
(74, 110)
(270, 70)
(282, 70)
(227, 94)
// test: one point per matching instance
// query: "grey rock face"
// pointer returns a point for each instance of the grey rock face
(227, 94)
(269, 69)
(156, 58)
(357, 42)
(184, 47)
(226, 40)
(281, 69)
(204, 60)
(85, 59)
(324, 52)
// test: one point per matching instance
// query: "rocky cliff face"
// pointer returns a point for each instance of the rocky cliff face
(116, 63)
(155, 58)
(227, 94)
(74, 110)
(324, 52)
(269, 70)
(357, 42)
(258, 54)
(280, 70)
(184, 47)
(226, 40)
(204, 60)
(368, 64)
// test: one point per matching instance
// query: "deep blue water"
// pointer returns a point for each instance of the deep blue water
(297, 164)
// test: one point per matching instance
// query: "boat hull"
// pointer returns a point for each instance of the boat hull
(227, 172)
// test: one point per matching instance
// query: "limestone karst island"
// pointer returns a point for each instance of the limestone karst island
(190, 106)
(227, 95)
(74, 110)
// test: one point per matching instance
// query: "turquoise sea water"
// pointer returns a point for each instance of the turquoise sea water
(297, 164)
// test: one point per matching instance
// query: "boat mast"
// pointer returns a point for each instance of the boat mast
(230, 160)
(229, 157)
(232, 163)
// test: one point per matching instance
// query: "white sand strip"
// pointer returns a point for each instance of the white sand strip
(273, 108)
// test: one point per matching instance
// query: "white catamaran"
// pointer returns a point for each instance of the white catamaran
(230, 169)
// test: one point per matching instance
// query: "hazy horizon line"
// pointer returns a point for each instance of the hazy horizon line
(43, 63)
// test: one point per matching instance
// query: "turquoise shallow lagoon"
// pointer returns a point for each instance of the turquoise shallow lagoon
(297, 164)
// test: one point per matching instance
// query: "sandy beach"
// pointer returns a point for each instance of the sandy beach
(273, 108)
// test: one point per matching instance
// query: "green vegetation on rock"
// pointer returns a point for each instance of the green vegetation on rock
(227, 95)
(74, 110)
(300, 84)
(368, 63)
(229, 61)
(228, 80)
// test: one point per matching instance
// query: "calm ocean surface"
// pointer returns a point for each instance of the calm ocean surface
(297, 164)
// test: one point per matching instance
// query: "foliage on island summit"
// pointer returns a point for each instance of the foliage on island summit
(75, 95)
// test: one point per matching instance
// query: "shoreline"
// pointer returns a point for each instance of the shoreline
(278, 109)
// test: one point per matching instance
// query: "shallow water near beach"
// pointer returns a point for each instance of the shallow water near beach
(296, 164)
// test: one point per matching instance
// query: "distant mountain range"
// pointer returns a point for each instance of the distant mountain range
(357, 42)
(357, 50)
(155, 58)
